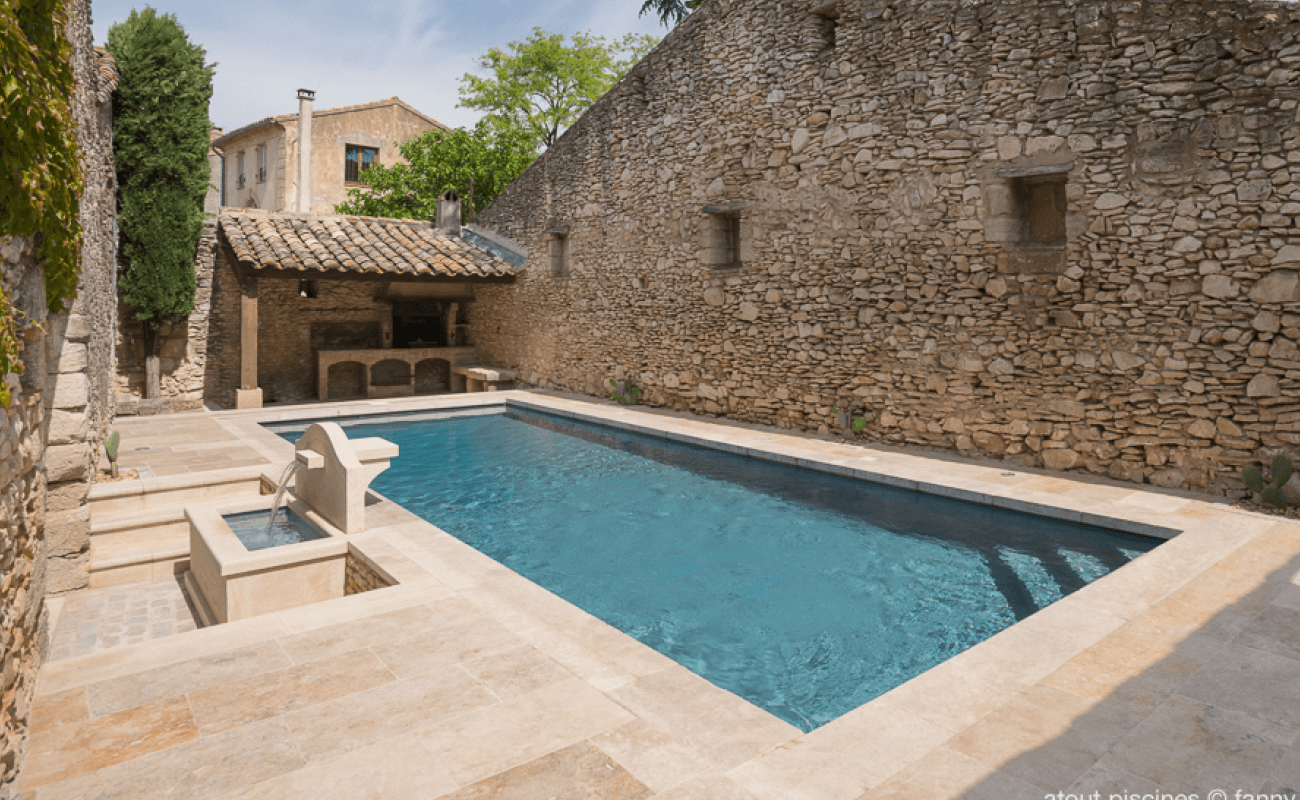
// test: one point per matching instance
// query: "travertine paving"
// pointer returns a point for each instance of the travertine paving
(178, 444)
(101, 619)
(1179, 672)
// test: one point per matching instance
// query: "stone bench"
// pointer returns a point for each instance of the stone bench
(484, 379)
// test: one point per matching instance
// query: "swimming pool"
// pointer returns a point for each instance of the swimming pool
(808, 594)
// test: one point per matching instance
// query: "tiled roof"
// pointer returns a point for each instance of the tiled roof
(106, 67)
(328, 243)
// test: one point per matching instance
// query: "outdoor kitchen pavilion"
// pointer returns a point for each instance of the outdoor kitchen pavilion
(333, 305)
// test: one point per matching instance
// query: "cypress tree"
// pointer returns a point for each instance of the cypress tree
(160, 151)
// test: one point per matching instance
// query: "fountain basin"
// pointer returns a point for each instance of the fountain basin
(289, 528)
(236, 581)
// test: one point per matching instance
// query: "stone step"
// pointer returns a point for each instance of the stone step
(174, 490)
(128, 529)
(138, 530)
(137, 564)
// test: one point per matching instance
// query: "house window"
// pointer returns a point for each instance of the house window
(723, 245)
(827, 18)
(359, 159)
(557, 250)
(307, 289)
(240, 180)
(261, 164)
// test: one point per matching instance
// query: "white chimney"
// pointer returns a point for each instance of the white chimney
(448, 214)
(305, 98)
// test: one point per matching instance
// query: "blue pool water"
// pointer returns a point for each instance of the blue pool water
(289, 528)
(807, 594)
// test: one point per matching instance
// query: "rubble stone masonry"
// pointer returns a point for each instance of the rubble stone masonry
(183, 346)
(61, 408)
(1058, 233)
(80, 352)
(23, 567)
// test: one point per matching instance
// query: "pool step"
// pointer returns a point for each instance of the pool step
(138, 530)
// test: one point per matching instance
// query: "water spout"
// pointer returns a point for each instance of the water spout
(285, 477)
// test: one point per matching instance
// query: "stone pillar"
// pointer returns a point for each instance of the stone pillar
(152, 376)
(248, 395)
(322, 380)
(71, 454)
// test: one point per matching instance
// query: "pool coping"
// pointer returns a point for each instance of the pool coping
(903, 725)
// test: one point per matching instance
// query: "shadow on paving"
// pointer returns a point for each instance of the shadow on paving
(1214, 708)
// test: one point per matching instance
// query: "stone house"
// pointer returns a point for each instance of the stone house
(1060, 233)
(307, 306)
(61, 408)
(260, 166)
(261, 158)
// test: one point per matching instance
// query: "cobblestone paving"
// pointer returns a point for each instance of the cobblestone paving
(100, 619)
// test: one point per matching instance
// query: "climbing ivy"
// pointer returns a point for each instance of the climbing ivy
(8, 347)
(40, 174)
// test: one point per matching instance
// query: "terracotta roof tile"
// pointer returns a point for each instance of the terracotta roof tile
(107, 74)
(339, 243)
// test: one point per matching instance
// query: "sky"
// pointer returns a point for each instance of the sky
(356, 52)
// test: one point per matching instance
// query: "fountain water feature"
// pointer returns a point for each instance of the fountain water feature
(285, 477)
(240, 570)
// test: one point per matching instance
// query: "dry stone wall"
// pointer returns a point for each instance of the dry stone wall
(80, 352)
(23, 567)
(183, 346)
(61, 406)
(1058, 233)
(361, 575)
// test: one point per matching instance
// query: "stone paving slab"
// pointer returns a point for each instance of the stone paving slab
(101, 619)
(1179, 673)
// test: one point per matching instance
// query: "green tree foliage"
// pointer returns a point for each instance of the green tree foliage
(160, 130)
(40, 170)
(543, 84)
(40, 174)
(438, 160)
(670, 12)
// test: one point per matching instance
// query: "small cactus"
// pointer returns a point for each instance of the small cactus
(1269, 492)
(110, 449)
(624, 392)
(847, 422)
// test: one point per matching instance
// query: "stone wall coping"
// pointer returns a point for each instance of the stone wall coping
(166, 483)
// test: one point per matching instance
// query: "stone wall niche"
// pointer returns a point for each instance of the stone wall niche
(1027, 212)
(557, 250)
(725, 238)
(827, 19)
